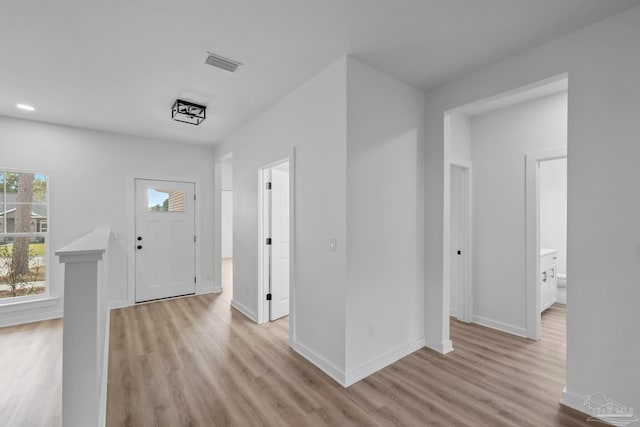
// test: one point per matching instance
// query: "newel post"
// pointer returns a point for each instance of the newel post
(80, 345)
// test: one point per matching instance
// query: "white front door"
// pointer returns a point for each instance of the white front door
(165, 239)
(279, 241)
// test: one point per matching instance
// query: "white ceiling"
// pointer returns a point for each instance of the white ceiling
(119, 65)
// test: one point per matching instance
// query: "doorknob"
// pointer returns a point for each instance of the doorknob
(139, 246)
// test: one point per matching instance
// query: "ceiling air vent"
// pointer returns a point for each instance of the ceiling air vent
(222, 62)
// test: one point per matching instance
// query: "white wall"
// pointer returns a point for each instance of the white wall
(500, 141)
(459, 133)
(313, 120)
(553, 209)
(603, 211)
(89, 187)
(384, 218)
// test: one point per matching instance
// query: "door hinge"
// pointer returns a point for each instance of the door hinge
(269, 297)
(268, 186)
(195, 279)
(194, 238)
(194, 197)
(268, 240)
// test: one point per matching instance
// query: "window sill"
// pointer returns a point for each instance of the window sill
(29, 304)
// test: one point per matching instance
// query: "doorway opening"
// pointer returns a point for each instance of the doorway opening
(461, 248)
(274, 245)
(546, 208)
(491, 218)
(226, 224)
(165, 239)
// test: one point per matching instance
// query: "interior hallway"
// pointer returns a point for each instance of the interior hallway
(195, 361)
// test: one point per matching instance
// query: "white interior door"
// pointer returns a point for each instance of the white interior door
(457, 240)
(165, 239)
(279, 304)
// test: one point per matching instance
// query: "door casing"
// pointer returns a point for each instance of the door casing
(201, 286)
(262, 303)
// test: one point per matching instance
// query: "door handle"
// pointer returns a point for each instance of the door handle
(139, 246)
(139, 237)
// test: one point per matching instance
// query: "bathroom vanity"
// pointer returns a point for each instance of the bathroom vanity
(548, 278)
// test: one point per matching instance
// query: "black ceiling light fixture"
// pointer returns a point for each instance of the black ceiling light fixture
(188, 112)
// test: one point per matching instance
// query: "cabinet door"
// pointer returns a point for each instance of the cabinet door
(553, 285)
(544, 291)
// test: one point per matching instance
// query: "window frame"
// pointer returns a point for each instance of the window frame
(3, 203)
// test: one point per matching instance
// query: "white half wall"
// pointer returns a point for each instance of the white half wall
(385, 134)
(88, 172)
(313, 120)
(500, 141)
(603, 208)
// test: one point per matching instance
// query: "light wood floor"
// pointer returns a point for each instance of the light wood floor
(196, 362)
(31, 375)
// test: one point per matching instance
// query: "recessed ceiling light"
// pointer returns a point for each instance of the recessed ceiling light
(25, 107)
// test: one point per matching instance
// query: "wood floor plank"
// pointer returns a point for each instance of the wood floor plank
(196, 362)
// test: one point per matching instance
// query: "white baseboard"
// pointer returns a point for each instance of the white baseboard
(119, 304)
(208, 289)
(244, 310)
(320, 362)
(573, 401)
(562, 296)
(102, 421)
(443, 347)
(500, 326)
(18, 318)
(383, 361)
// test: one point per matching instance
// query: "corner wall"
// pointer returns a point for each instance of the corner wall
(385, 134)
(603, 209)
(313, 120)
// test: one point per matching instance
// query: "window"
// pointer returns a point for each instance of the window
(165, 200)
(23, 233)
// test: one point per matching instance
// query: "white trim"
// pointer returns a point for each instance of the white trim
(500, 326)
(102, 420)
(208, 290)
(466, 314)
(443, 347)
(357, 374)
(263, 257)
(532, 246)
(30, 318)
(574, 401)
(114, 305)
(244, 310)
(320, 362)
(30, 304)
(263, 254)
(461, 163)
(292, 246)
(131, 228)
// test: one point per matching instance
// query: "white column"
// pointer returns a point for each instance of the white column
(80, 349)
